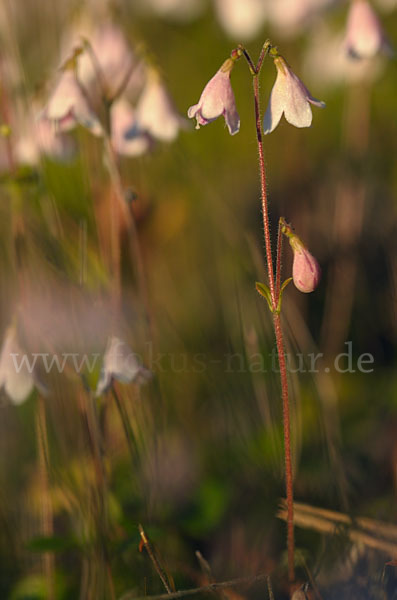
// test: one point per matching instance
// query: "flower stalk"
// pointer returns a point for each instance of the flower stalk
(290, 97)
(275, 290)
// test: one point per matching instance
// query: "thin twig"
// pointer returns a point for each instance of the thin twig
(373, 534)
(129, 434)
(269, 587)
(46, 503)
(200, 590)
(160, 571)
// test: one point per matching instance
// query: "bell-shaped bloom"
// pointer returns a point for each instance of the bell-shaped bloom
(156, 113)
(364, 33)
(217, 99)
(291, 97)
(108, 63)
(38, 138)
(290, 17)
(306, 271)
(16, 376)
(176, 10)
(128, 138)
(329, 64)
(68, 105)
(241, 19)
(120, 363)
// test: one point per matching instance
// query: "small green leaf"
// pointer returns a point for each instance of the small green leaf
(284, 285)
(265, 292)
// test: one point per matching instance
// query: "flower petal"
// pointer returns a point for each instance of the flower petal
(192, 110)
(276, 104)
(212, 105)
(232, 119)
(297, 109)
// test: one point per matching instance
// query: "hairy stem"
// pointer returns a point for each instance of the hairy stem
(274, 291)
(289, 485)
(279, 252)
(265, 207)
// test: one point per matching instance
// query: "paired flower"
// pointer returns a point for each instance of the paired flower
(108, 63)
(291, 97)
(119, 362)
(364, 34)
(217, 99)
(105, 71)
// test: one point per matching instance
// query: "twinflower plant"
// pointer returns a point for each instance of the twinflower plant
(291, 97)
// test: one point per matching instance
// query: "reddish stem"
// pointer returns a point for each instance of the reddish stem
(265, 209)
(274, 291)
(289, 484)
(278, 260)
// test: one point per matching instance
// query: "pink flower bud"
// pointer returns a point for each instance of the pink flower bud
(291, 97)
(305, 269)
(217, 99)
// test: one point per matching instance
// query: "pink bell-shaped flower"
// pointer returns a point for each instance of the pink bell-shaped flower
(120, 362)
(15, 376)
(156, 113)
(68, 106)
(217, 99)
(18, 375)
(128, 138)
(291, 97)
(241, 19)
(364, 33)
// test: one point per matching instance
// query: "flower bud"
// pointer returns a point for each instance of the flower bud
(305, 268)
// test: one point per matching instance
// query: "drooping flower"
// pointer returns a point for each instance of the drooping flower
(15, 375)
(329, 64)
(68, 106)
(289, 17)
(217, 99)
(119, 362)
(108, 63)
(291, 97)
(176, 10)
(241, 19)
(364, 33)
(38, 137)
(155, 111)
(128, 138)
